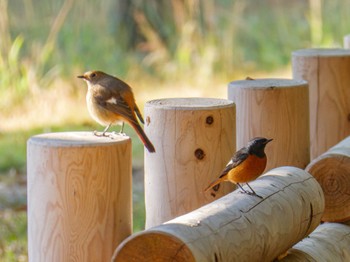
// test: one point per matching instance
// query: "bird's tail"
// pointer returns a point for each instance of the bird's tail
(148, 144)
(213, 184)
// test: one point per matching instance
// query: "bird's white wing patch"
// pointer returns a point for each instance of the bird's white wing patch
(112, 100)
(229, 163)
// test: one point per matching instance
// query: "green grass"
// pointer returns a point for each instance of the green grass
(13, 232)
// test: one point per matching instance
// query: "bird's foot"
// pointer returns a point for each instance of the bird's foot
(119, 133)
(250, 193)
(255, 194)
(100, 134)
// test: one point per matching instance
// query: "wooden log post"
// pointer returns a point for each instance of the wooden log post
(237, 226)
(194, 138)
(79, 196)
(327, 72)
(278, 109)
(329, 242)
(332, 171)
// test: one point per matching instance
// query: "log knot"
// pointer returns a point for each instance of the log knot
(199, 153)
(209, 120)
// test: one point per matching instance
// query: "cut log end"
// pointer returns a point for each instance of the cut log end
(72, 139)
(156, 246)
(332, 173)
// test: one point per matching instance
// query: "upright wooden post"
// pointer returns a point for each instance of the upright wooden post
(327, 72)
(332, 171)
(329, 242)
(79, 196)
(236, 227)
(278, 109)
(194, 138)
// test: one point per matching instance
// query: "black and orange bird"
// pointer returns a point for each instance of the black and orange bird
(246, 165)
(110, 101)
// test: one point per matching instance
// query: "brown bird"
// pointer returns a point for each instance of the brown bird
(246, 165)
(110, 101)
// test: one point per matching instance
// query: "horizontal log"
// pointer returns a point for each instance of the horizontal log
(332, 171)
(237, 225)
(329, 242)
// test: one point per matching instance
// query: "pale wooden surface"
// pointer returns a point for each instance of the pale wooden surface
(329, 242)
(79, 196)
(174, 176)
(332, 171)
(237, 227)
(274, 108)
(327, 72)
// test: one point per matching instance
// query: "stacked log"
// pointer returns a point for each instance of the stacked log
(237, 226)
(332, 171)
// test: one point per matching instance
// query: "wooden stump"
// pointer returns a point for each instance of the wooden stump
(79, 196)
(236, 226)
(332, 171)
(327, 72)
(329, 242)
(278, 109)
(195, 138)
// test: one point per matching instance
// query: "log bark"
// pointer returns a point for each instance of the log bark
(195, 138)
(236, 227)
(329, 242)
(327, 72)
(332, 171)
(79, 196)
(278, 109)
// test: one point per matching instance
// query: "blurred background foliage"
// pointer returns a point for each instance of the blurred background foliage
(165, 40)
(163, 48)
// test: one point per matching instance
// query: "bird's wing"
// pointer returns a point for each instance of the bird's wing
(236, 160)
(139, 115)
(117, 104)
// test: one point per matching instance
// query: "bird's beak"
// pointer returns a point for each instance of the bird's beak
(268, 140)
(82, 76)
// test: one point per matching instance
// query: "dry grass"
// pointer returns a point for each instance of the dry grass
(64, 102)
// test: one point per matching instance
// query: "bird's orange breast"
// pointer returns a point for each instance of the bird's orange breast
(248, 170)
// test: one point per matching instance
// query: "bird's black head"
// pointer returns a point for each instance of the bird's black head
(257, 145)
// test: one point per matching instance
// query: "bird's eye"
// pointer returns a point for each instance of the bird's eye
(93, 75)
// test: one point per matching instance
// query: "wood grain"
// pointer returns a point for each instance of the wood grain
(274, 108)
(329, 242)
(195, 138)
(327, 72)
(332, 171)
(237, 227)
(79, 196)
